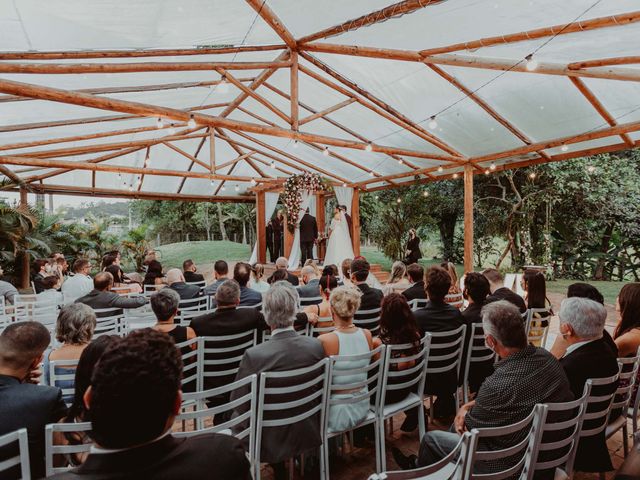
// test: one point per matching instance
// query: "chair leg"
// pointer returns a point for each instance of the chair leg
(430, 409)
(381, 458)
(625, 439)
(292, 462)
(323, 461)
(422, 428)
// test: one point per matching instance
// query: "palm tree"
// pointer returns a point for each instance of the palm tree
(16, 227)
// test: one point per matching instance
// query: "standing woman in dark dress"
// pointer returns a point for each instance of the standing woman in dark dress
(413, 248)
(278, 235)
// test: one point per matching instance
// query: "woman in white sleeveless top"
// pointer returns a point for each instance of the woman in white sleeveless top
(346, 339)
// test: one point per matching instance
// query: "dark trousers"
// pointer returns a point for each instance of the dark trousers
(307, 251)
(277, 248)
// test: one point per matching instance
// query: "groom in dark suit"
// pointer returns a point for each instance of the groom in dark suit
(348, 218)
(308, 235)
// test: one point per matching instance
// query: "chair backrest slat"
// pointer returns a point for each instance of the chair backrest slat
(51, 449)
(22, 458)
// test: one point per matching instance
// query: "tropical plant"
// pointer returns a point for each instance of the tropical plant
(136, 245)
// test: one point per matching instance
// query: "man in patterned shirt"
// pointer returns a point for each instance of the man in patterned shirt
(525, 375)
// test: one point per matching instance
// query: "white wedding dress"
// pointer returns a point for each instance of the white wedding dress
(339, 246)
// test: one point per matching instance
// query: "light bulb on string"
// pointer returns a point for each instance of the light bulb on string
(532, 175)
(159, 123)
(455, 175)
(399, 200)
(400, 162)
(273, 165)
(131, 188)
(223, 86)
(433, 124)
(172, 130)
(440, 169)
(372, 173)
(253, 182)
(369, 147)
(295, 144)
(564, 148)
(223, 188)
(492, 166)
(237, 188)
(425, 194)
(344, 185)
(192, 122)
(213, 182)
(532, 63)
(325, 152)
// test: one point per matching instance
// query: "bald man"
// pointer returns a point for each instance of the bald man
(176, 281)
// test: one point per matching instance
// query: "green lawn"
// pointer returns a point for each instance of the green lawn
(609, 290)
(173, 254)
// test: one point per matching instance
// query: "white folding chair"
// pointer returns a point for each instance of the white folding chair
(27, 307)
(200, 284)
(136, 318)
(51, 449)
(369, 319)
(561, 424)
(363, 391)
(242, 426)
(190, 308)
(477, 353)
(447, 355)
(22, 458)
(108, 321)
(257, 306)
(455, 300)
(418, 303)
(61, 372)
(451, 467)
(527, 433)
(306, 301)
(411, 379)
(300, 330)
(307, 388)
(221, 356)
(537, 334)
(315, 331)
(192, 361)
(622, 399)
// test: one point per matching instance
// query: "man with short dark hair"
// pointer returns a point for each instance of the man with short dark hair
(189, 269)
(133, 399)
(23, 403)
(220, 275)
(248, 296)
(100, 297)
(525, 376)
(7, 290)
(416, 290)
(500, 292)
(371, 297)
(39, 267)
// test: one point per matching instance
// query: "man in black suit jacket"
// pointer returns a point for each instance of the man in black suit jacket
(311, 284)
(588, 356)
(23, 403)
(415, 291)
(308, 235)
(100, 297)
(286, 350)
(176, 282)
(189, 268)
(500, 292)
(134, 397)
(283, 264)
(371, 297)
(439, 316)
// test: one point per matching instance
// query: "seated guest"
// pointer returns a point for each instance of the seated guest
(80, 283)
(24, 403)
(398, 327)
(40, 272)
(7, 290)
(283, 264)
(220, 275)
(120, 282)
(164, 304)
(371, 297)
(525, 375)
(101, 296)
(312, 263)
(189, 270)
(74, 329)
(587, 356)
(416, 290)
(500, 292)
(438, 316)
(310, 282)
(627, 332)
(257, 278)
(286, 350)
(133, 399)
(114, 258)
(176, 282)
(454, 289)
(398, 281)
(326, 284)
(535, 296)
(154, 275)
(278, 276)
(476, 290)
(50, 293)
(248, 296)
(63, 266)
(345, 270)
(77, 411)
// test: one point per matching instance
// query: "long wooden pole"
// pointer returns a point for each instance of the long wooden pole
(603, 62)
(269, 16)
(261, 228)
(293, 83)
(468, 218)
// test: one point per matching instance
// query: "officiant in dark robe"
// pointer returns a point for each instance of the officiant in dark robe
(277, 224)
(308, 235)
(412, 251)
(272, 253)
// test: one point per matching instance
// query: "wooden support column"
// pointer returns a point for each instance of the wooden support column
(261, 228)
(24, 256)
(355, 220)
(468, 218)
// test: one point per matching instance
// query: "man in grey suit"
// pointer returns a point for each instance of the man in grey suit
(100, 297)
(311, 285)
(286, 350)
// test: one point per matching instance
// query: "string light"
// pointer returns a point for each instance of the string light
(492, 166)
(425, 194)
(192, 122)
(223, 86)
(139, 181)
(344, 184)
(377, 197)
(440, 169)
(372, 173)
(223, 188)
(171, 130)
(213, 182)
(564, 148)
(369, 147)
(400, 162)
(273, 165)
(532, 175)
(486, 172)
(237, 188)
(295, 144)
(532, 63)
(455, 175)
(253, 181)
(131, 188)
(433, 124)
(399, 200)
(159, 123)
(325, 152)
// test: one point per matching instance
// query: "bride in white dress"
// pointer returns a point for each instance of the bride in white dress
(339, 246)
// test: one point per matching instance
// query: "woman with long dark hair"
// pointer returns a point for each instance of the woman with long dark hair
(535, 296)
(154, 274)
(327, 283)
(412, 249)
(627, 332)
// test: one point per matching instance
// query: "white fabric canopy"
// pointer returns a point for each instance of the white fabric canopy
(294, 256)
(270, 203)
(344, 195)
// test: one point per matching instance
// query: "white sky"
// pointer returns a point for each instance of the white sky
(58, 200)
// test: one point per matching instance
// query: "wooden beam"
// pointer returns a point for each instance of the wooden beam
(562, 29)
(144, 165)
(139, 88)
(595, 103)
(326, 111)
(85, 68)
(192, 163)
(179, 52)
(604, 62)
(391, 113)
(212, 152)
(293, 84)
(468, 218)
(273, 21)
(65, 96)
(188, 155)
(386, 13)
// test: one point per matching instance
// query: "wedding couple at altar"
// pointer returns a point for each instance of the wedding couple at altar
(339, 245)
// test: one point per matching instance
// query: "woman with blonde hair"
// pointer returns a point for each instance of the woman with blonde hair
(257, 275)
(346, 339)
(455, 284)
(398, 281)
